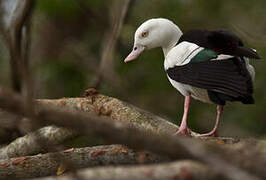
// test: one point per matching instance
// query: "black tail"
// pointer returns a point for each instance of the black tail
(221, 98)
(246, 52)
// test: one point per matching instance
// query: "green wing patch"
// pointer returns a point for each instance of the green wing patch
(204, 55)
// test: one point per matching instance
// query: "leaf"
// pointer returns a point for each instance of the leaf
(4, 164)
(27, 164)
(68, 150)
(90, 92)
(97, 153)
(124, 150)
(115, 150)
(19, 160)
(61, 169)
(39, 155)
(220, 141)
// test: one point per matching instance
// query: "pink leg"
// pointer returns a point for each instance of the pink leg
(183, 129)
(214, 130)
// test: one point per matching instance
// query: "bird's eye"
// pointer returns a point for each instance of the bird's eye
(135, 48)
(144, 34)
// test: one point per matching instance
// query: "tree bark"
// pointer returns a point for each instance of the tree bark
(36, 142)
(117, 110)
(183, 170)
(98, 104)
(75, 158)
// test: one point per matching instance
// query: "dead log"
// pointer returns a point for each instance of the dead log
(75, 158)
(183, 170)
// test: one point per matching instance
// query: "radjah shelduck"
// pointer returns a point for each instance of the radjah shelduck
(210, 66)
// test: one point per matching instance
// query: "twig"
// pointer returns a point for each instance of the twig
(109, 43)
(14, 15)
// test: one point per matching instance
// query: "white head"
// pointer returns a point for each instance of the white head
(154, 33)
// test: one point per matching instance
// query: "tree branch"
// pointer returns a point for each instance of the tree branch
(167, 171)
(117, 110)
(46, 164)
(13, 17)
(30, 144)
(98, 104)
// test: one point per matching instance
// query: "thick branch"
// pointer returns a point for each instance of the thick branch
(98, 104)
(166, 171)
(48, 164)
(30, 144)
(117, 110)
(103, 105)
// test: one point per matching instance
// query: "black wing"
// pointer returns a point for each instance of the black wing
(229, 77)
(220, 41)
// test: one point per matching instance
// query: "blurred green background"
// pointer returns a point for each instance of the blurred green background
(68, 37)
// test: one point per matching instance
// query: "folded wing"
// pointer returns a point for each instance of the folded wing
(229, 76)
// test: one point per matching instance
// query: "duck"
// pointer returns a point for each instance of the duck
(211, 66)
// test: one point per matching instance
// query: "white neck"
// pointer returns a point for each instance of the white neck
(172, 39)
(166, 49)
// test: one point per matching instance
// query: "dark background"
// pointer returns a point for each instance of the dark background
(68, 37)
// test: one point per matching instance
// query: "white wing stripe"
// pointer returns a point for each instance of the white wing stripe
(191, 55)
(181, 54)
(222, 57)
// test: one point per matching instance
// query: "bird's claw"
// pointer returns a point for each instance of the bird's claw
(183, 132)
(210, 134)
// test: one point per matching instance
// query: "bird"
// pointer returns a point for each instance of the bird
(211, 66)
